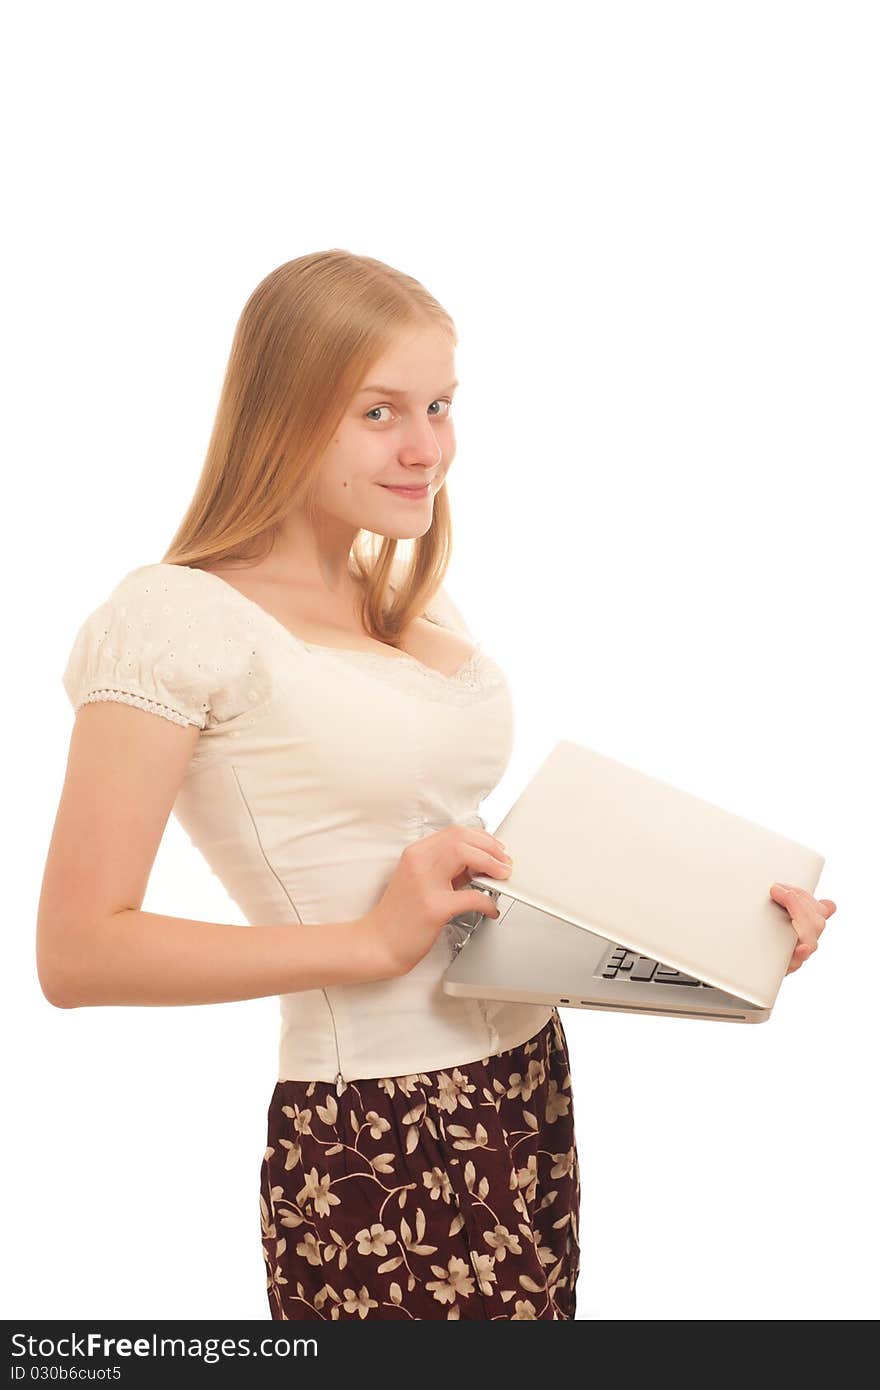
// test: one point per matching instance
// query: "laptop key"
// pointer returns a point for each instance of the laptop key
(643, 969)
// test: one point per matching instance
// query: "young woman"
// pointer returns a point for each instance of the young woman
(323, 725)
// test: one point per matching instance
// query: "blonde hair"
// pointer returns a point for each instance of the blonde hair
(304, 341)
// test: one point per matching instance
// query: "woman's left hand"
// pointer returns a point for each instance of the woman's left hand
(808, 916)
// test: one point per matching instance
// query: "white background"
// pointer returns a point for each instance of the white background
(656, 228)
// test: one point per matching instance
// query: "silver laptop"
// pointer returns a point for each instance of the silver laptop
(630, 894)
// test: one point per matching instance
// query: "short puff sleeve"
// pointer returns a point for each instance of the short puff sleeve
(162, 643)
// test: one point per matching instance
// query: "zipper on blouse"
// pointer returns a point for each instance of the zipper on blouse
(340, 1079)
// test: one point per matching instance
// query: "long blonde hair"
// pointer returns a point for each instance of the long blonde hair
(304, 341)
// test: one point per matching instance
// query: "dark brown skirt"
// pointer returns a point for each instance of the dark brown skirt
(445, 1194)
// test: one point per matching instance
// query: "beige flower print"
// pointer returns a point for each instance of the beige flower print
(484, 1268)
(376, 1240)
(310, 1248)
(405, 1084)
(524, 1086)
(274, 1275)
(527, 1177)
(452, 1091)
(501, 1241)
(452, 1280)
(563, 1164)
(302, 1125)
(438, 1184)
(386, 1236)
(317, 1190)
(377, 1124)
(524, 1309)
(359, 1302)
(557, 1103)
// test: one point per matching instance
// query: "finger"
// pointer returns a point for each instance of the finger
(807, 927)
(827, 906)
(469, 861)
(475, 835)
(484, 836)
(799, 955)
(489, 843)
(803, 949)
(823, 907)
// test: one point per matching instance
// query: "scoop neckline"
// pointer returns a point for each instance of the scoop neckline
(394, 654)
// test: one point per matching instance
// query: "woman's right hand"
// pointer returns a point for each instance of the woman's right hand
(425, 892)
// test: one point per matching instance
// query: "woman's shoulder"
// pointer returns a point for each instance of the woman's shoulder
(165, 578)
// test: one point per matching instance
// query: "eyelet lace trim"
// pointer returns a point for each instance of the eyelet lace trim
(476, 672)
(462, 673)
(478, 675)
(126, 697)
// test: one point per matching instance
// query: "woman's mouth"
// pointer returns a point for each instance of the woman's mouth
(411, 492)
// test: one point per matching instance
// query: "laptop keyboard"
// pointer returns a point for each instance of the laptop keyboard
(622, 964)
(618, 963)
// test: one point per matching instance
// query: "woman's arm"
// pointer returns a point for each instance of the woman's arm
(135, 957)
(96, 946)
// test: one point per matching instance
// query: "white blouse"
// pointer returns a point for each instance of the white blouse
(315, 767)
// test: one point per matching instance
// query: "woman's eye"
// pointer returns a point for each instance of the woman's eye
(443, 401)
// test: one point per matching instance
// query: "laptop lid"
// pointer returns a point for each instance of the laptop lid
(654, 868)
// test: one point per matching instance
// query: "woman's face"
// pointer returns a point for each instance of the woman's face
(397, 430)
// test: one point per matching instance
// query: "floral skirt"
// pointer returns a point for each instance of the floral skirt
(444, 1194)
